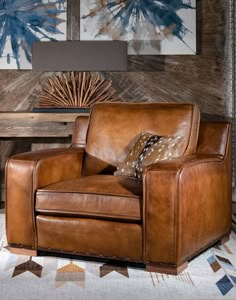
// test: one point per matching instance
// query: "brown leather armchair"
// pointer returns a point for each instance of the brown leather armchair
(68, 200)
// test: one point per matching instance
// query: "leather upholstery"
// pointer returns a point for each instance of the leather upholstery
(24, 174)
(69, 200)
(196, 204)
(213, 138)
(100, 196)
(80, 132)
(110, 239)
(113, 126)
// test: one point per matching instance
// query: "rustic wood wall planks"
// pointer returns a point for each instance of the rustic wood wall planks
(198, 78)
(194, 78)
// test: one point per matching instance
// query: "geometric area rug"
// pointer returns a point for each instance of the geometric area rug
(211, 275)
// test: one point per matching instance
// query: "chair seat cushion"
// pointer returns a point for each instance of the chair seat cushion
(98, 196)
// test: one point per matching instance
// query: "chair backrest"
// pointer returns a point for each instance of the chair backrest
(112, 126)
(214, 139)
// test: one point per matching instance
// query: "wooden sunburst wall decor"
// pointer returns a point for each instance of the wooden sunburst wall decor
(75, 89)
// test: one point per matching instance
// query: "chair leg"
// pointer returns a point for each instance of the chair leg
(224, 239)
(165, 268)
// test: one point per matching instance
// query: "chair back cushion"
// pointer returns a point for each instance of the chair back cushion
(113, 127)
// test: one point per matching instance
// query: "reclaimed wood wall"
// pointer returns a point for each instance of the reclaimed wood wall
(195, 78)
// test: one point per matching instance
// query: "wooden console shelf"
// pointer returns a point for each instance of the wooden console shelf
(36, 124)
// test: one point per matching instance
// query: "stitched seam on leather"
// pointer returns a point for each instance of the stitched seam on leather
(51, 154)
(89, 193)
(91, 117)
(58, 154)
(227, 141)
(87, 213)
(6, 170)
(191, 129)
(176, 219)
(32, 199)
(144, 209)
(200, 162)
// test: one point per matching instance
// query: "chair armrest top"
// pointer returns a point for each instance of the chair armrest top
(182, 162)
(45, 153)
(46, 166)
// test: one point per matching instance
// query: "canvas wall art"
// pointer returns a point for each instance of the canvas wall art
(149, 26)
(23, 22)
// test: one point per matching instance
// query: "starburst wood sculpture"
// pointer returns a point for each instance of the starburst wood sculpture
(80, 89)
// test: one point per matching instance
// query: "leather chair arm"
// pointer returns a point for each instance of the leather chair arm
(187, 204)
(27, 172)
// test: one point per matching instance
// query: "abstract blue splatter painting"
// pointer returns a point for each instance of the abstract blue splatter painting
(149, 26)
(23, 22)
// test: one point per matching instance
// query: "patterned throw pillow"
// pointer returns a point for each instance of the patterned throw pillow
(165, 148)
(128, 166)
(148, 149)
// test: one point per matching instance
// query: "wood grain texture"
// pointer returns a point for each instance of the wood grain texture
(73, 16)
(19, 89)
(39, 117)
(27, 124)
(36, 129)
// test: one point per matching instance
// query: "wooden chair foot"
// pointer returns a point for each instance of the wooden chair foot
(166, 268)
(22, 251)
(224, 240)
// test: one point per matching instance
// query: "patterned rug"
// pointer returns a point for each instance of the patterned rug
(211, 275)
